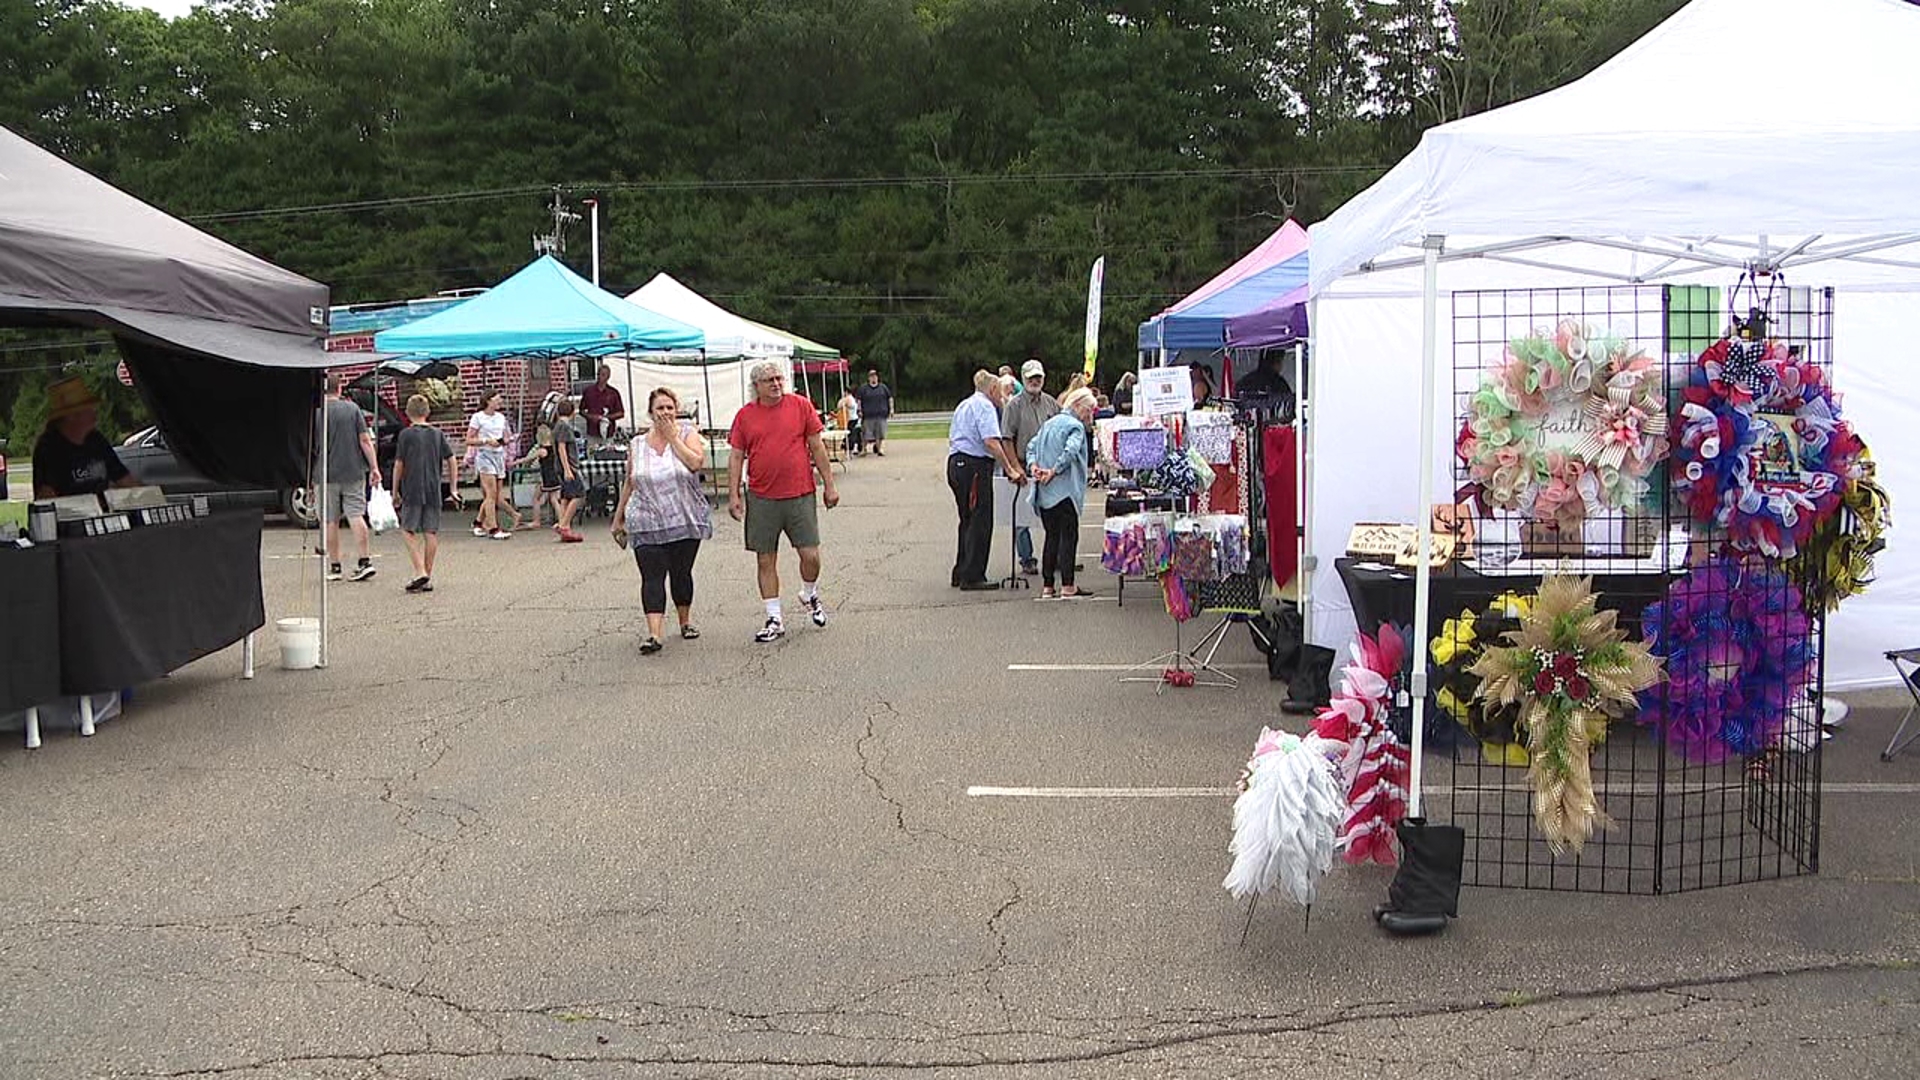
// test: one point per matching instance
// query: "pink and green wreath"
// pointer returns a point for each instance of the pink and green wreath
(1592, 378)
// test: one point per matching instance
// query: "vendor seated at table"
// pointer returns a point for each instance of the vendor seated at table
(72, 457)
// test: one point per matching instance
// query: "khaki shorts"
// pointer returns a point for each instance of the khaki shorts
(768, 518)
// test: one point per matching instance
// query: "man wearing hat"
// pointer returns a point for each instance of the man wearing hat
(1020, 421)
(72, 457)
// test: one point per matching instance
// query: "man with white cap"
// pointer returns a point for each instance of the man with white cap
(1020, 420)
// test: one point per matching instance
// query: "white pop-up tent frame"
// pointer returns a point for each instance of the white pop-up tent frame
(1764, 135)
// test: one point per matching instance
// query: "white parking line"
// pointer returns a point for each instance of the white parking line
(987, 791)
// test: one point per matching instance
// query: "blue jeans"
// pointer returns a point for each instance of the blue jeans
(1023, 544)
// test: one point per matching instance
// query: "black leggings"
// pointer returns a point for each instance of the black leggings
(1063, 541)
(658, 563)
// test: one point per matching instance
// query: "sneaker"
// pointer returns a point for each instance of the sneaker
(571, 537)
(362, 572)
(815, 609)
(650, 646)
(333, 572)
(773, 631)
(1030, 569)
(978, 586)
(479, 531)
(419, 584)
(502, 534)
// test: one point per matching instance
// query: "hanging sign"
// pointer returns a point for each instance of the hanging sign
(1094, 283)
(1163, 391)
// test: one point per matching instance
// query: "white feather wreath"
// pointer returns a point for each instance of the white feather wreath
(1286, 821)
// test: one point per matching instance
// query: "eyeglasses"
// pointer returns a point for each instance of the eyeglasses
(772, 380)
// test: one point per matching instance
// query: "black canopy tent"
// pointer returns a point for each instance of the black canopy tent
(226, 348)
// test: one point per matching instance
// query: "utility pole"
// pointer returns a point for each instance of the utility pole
(555, 242)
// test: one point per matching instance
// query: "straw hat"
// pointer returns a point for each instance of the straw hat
(69, 396)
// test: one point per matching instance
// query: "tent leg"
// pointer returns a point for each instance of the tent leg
(246, 657)
(1423, 551)
(321, 515)
(1305, 576)
(33, 727)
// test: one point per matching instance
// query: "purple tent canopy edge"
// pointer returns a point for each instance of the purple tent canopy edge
(1279, 323)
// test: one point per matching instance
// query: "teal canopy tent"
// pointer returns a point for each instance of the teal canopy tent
(545, 309)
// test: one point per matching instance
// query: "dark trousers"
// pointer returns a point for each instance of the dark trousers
(1062, 544)
(971, 479)
(661, 563)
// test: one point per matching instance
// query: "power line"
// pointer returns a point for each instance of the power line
(788, 184)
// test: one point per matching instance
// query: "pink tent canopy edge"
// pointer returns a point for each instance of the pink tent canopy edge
(1288, 241)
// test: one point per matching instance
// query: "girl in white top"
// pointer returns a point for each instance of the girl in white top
(487, 436)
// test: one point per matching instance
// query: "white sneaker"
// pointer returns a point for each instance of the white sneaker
(773, 631)
(815, 609)
(362, 572)
(478, 531)
(502, 534)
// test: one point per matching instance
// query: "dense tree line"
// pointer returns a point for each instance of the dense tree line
(923, 183)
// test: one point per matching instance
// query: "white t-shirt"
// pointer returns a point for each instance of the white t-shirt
(492, 427)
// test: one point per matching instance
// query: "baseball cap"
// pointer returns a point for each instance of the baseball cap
(1031, 368)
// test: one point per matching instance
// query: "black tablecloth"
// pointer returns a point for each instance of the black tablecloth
(137, 605)
(29, 627)
(1387, 595)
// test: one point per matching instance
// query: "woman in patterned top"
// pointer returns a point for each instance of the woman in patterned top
(664, 514)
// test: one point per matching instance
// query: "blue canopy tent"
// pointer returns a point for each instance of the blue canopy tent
(1200, 320)
(545, 309)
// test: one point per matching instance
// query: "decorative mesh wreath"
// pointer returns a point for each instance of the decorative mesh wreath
(1762, 451)
(1735, 638)
(1592, 389)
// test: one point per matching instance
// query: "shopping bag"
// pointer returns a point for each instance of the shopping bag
(381, 515)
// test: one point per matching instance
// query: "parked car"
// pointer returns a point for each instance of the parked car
(147, 456)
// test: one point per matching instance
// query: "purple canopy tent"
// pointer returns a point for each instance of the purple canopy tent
(1278, 324)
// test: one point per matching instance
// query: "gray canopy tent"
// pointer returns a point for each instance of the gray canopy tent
(225, 348)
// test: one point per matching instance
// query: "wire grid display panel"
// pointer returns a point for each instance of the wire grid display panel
(1678, 821)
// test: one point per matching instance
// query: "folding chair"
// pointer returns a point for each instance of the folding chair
(1909, 678)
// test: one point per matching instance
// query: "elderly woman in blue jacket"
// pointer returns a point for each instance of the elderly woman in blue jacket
(1057, 459)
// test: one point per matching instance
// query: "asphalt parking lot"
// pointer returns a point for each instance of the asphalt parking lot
(492, 840)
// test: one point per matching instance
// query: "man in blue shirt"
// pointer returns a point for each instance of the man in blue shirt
(974, 444)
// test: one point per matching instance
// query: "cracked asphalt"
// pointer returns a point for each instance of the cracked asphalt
(494, 841)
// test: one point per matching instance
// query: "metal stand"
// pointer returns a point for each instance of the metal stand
(1181, 660)
(1911, 657)
(1211, 640)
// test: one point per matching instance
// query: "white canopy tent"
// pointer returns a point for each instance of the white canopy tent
(728, 335)
(712, 390)
(1777, 134)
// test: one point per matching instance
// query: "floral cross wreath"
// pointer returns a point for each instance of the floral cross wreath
(1565, 426)
(1762, 452)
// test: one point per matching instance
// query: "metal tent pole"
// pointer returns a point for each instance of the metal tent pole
(1423, 551)
(321, 517)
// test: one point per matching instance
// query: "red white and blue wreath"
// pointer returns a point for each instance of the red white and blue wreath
(1762, 451)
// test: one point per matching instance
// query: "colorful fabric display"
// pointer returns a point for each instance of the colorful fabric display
(1283, 520)
(1140, 448)
(1211, 433)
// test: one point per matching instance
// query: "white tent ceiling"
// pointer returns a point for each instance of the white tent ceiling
(1783, 130)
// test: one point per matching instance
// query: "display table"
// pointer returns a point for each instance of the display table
(30, 633)
(1387, 595)
(137, 605)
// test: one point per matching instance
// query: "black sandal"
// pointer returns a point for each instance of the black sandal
(650, 646)
(688, 631)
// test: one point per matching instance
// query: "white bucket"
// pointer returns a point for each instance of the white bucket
(299, 643)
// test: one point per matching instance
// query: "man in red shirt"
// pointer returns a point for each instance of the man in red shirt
(776, 442)
(602, 407)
